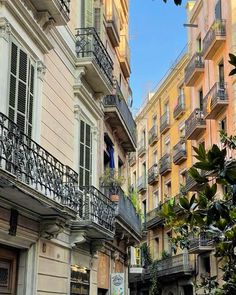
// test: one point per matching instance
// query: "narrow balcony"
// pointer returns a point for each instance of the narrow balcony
(165, 164)
(141, 148)
(124, 56)
(200, 244)
(30, 177)
(153, 174)
(112, 22)
(132, 159)
(191, 185)
(120, 118)
(96, 215)
(179, 109)
(215, 37)
(152, 135)
(216, 101)
(59, 10)
(180, 152)
(165, 122)
(153, 218)
(93, 56)
(194, 69)
(177, 266)
(195, 125)
(142, 184)
(125, 213)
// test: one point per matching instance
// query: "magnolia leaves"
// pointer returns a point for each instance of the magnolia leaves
(232, 61)
(177, 2)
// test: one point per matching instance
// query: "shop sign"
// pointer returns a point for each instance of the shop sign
(117, 283)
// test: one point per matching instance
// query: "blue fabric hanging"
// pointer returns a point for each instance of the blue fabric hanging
(110, 150)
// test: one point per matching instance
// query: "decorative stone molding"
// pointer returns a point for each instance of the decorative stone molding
(95, 132)
(79, 73)
(51, 227)
(77, 112)
(5, 29)
(77, 238)
(41, 70)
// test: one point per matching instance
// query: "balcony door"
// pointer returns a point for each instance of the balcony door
(218, 10)
(8, 265)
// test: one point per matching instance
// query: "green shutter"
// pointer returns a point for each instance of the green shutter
(97, 20)
(87, 13)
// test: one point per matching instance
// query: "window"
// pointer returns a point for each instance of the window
(154, 120)
(199, 44)
(134, 180)
(85, 154)
(183, 178)
(156, 247)
(200, 97)
(144, 170)
(221, 74)
(144, 137)
(167, 145)
(218, 10)
(86, 13)
(182, 130)
(144, 209)
(181, 95)
(120, 167)
(21, 95)
(169, 243)
(155, 199)
(206, 265)
(97, 20)
(168, 189)
(222, 125)
(155, 158)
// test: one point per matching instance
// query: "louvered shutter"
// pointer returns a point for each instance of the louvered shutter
(21, 89)
(97, 20)
(218, 12)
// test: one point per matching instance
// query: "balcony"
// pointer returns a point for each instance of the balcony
(165, 122)
(132, 159)
(194, 69)
(94, 58)
(200, 244)
(125, 213)
(179, 110)
(165, 164)
(191, 185)
(216, 101)
(215, 37)
(30, 177)
(113, 22)
(141, 147)
(152, 135)
(153, 218)
(195, 125)
(142, 184)
(124, 56)
(120, 119)
(175, 267)
(153, 174)
(96, 215)
(59, 10)
(179, 152)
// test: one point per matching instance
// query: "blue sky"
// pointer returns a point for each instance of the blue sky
(157, 36)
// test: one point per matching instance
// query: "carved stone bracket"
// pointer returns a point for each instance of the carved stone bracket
(51, 227)
(79, 237)
(79, 73)
(77, 112)
(5, 29)
(96, 246)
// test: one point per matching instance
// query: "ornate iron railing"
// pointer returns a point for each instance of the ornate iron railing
(195, 119)
(153, 173)
(196, 62)
(142, 183)
(96, 207)
(165, 163)
(179, 151)
(35, 166)
(216, 94)
(201, 241)
(65, 5)
(175, 264)
(125, 113)
(165, 121)
(180, 107)
(89, 44)
(152, 134)
(218, 28)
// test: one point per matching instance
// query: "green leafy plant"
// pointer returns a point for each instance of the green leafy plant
(133, 195)
(111, 178)
(156, 288)
(146, 255)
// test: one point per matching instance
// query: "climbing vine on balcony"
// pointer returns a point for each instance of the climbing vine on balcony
(155, 283)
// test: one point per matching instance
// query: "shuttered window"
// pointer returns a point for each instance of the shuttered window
(85, 154)
(21, 93)
(97, 20)
(87, 13)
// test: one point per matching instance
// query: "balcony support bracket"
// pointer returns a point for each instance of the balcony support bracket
(51, 227)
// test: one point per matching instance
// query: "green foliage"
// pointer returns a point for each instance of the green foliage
(111, 177)
(210, 212)
(177, 2)
(133, 195)
(155, 283)
(232, 61)
(146, 255)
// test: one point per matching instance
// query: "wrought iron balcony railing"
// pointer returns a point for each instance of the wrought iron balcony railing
(165, 164)
(214, 37)
(215, 101)
(96, 207)
(36, 167)
(113, 22)
(65, 6)
(141, 147)
(177, 265)
(153, 217)
(194, 69)
(180, 107)
(124, 112)
(195, 124)
(179, 152)
(165, 122)
(89, 45)
(200, 244)
(142, 184)
(152, 135)
(153, 174)
(125, 209)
